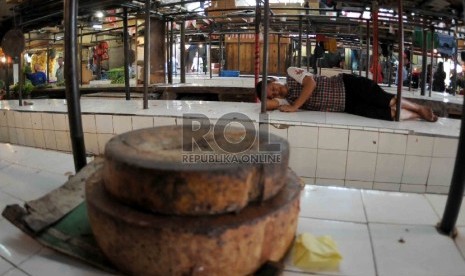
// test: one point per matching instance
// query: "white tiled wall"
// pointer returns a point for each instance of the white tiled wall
(333, 138)
(392, 143)
(104, 123)
(331, 164)
(366, 158)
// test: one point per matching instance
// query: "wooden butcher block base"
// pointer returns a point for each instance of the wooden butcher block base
(145, 168)
(141, 243)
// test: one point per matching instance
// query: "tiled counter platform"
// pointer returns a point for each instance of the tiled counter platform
(326, 148)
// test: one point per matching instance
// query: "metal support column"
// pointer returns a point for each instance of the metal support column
(401, 59)
(454, 85)
(72, 86)
(170, 51)
(308, 45)
(409, 76)
(299, 50)
(375, 41)
(210, 55)
(432, 61)
(182, 53)
(266, 22)
(126, 53)
(389, 67)
(21, 79)
(146, 54)
(257, 42)
(279, 54)
(360, 57)
(48, 64)
(424, 59)
(7, 80)
(368, 49)
(457, 187)
(239, 52)
(221, 53)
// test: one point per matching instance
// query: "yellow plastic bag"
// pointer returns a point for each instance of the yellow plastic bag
(315, 253)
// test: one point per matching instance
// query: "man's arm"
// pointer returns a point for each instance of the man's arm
(309, 85)
(272, 104)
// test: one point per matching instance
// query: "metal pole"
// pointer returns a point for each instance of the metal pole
(409, 76)
(279, 54)
(454, 85)
(21, 78)
(351, 62)
(257, 42)
(221, 53)
(48, 63)
(169, 40)
(308, 43)
(183, 52)
(424, 60)
(210, 55)
(72, 86)
(299, 50)
(126, 54)
(401, 60)
(457, 187)
(368, 49)
(375, 41)
(175, 55)
(80, 58)
(147, 54)
(265, 53)
(7, 80)
(389, 67)
(309, 49)
(239, 52)
(432, 57)
(360, 57)
(455, 197)
(172, 56)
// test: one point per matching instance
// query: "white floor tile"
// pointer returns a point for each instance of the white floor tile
(439, 203)
(48, 262)
(414, 251)
(349, 238)
(4, 164)
(399, 208)
(4, 266)
(15, 246)
(15, 272)
(332, 203)
(28, 184)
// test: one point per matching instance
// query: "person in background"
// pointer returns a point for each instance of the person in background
(197, 63)
(38, 77)
(341, 93)
(318, 53)
(439, 78)
(60, 72)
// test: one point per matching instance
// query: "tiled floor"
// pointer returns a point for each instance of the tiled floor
(377, 233)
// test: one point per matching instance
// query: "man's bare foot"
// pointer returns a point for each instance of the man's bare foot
(427, 114)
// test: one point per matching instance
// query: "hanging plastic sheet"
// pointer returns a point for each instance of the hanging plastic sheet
(446, 45)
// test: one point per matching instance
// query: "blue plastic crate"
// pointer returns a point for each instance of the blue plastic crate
(229, 73)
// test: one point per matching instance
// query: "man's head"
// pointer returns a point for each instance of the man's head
(60, 61)
(273, 89)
